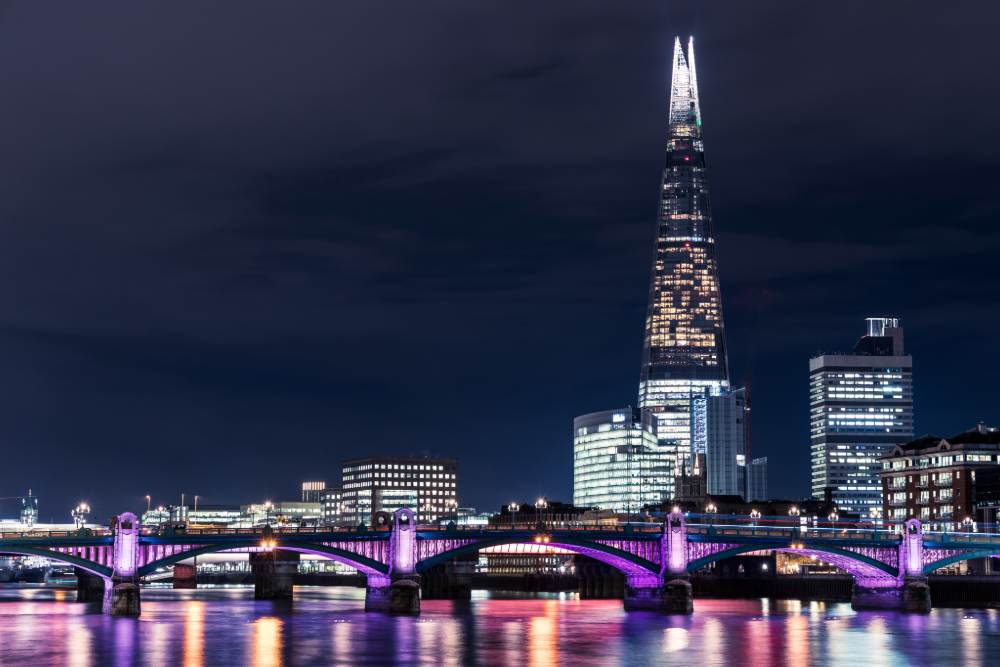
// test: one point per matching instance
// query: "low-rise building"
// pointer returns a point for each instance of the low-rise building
(934, 479)
(427, 486)
(312, 492)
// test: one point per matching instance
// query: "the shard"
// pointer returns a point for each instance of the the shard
(684, 352)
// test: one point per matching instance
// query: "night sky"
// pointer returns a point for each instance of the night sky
(243, 241)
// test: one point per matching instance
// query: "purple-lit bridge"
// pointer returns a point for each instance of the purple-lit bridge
(889, 566)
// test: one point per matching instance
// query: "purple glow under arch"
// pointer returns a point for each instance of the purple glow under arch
(86, 565)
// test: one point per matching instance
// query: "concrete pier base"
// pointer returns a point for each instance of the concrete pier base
(122, 599)
(913, 596)
(399, 596)
(450, 581)
(672, 597)
(185, 576)
(273, 574)
(89, 587)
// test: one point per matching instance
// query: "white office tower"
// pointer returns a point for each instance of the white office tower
(860, 405)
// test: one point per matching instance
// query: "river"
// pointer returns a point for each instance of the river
(327, 626)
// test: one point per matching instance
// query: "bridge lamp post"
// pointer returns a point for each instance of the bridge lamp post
(513, 507)
(968, 524)
(710, 510)
(79, 514)
(149, 502)
(754, 515)
(833, 519)
(541, 504)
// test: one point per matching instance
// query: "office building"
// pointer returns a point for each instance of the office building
(757, 480)
(720, 433)
(941, 481)
(385, 484)
(312, 492)
(684, 351)
(282, 512)
(331, 512)
(205, 515)
(618, 464)
(860, 405)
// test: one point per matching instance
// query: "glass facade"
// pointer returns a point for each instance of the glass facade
(618, 464)
(723, 420)
(684, 347)
(429, 487)
(860, 405)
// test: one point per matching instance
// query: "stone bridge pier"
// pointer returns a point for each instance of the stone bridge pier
(399, 591)
(909, 591)
(273, 574)
(449, 581)
(89, 586)
(670, 590)
(121, 594)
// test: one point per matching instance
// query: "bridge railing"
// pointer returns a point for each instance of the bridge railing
(46, 534)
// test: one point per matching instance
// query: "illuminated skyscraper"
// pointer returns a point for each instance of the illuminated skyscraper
(684, 353)
(860, 405)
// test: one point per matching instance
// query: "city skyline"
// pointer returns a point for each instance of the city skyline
(233, 257)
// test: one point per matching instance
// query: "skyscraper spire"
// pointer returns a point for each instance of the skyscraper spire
(684, 353)
(684, 105)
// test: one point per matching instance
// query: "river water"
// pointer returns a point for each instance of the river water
(324, 626)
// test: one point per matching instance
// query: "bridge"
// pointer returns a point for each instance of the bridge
(889, 564)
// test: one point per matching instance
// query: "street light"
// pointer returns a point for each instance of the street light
(149, 501)
(793, 511)
(513, 507)
(540, 504)
(754, 515)
(79, 514)
(711, 508)
(967, 523)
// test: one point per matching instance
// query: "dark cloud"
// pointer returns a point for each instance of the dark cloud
(243, 243)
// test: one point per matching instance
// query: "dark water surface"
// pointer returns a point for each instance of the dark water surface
(225, 626)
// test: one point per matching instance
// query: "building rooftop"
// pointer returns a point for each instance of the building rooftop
(978, 435)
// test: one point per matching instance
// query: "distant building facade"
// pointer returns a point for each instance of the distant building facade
(385, 484)
(941, 481)
(312, 492)
(757, 480)
(860, 405)
(721, 434)
(331, 512)
(618, 463)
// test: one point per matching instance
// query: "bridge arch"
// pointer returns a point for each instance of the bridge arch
(959, 557)
(852, 562)
(361, 563)
(627, 563)
(90, 566)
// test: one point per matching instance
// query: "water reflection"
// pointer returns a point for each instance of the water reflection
(194, 633)
(327, 626)
(542, 636)
(266, 642)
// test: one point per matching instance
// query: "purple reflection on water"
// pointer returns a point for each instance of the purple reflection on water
(225, 626)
